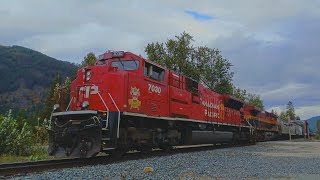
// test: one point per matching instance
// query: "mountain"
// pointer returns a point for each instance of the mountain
(314, 124)
(25, 76)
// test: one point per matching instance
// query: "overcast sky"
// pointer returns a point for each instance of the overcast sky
(273, 44)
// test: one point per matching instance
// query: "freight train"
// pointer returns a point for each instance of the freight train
(125, 102)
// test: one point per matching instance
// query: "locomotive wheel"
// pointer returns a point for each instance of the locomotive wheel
(118, 153)
(83, 148)
(145, 150)
(52, 149)
(166, 147)
(236, 138)
(253, 138)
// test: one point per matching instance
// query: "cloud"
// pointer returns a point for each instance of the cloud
(273, 45)
(280, 69)
(198, 16)
(290, 90)
(305, 112)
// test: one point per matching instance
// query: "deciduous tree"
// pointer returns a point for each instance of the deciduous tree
(14, 140)
(89, 60)
(239, 93)
(274, 112)
(202, 63)
(255, 100)
(283, 116)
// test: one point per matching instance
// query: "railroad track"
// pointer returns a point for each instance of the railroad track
(35, 166)
(23, 168)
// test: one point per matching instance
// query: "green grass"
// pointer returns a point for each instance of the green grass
(38, 153)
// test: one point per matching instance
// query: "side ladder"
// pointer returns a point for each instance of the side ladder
(109, 141)
(105, 139)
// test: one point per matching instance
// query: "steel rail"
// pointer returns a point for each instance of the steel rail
(23, 168)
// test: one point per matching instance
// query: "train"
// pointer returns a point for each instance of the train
(125, 102)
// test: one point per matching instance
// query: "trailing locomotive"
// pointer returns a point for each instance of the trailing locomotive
(125, 102)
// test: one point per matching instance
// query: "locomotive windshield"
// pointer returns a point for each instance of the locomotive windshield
(126, 64)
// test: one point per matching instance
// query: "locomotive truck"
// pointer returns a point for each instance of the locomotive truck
(125, 102)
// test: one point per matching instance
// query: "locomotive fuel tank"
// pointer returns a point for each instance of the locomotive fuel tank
(211, 137)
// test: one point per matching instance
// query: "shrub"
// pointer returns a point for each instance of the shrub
(14, 140)
(40, 135)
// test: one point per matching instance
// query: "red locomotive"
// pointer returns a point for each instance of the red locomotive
(126, 102)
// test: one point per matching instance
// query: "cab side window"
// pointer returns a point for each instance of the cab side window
(153, 72)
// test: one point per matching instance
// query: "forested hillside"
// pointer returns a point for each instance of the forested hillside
(25, 76)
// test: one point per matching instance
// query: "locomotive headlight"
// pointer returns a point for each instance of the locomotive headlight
(85, 104)
(56, 107)
(88, 75)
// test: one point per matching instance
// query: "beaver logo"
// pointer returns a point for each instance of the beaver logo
(134, 102)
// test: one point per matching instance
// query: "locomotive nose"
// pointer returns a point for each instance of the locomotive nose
(76, 135)
(86, 95)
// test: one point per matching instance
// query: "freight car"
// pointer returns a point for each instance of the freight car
(295, 129)
(125, 102)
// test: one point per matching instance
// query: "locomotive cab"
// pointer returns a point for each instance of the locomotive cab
(103, 100)
(97, 99)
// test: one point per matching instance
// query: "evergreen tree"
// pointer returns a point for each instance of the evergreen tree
(50, 98)
(21, 118)
(291, 111)
(57, 87)
(67, 86)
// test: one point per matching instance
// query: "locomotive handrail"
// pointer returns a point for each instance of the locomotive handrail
(50, 120)
(69, 104)
(251, 127)
(104, 103)
(118, 113)
(106, 108)
(55, 122)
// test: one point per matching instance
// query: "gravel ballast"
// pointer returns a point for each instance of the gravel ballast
(267, 160)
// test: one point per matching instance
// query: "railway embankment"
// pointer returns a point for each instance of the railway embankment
(297, 159)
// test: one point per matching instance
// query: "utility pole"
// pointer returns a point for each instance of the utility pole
(289, 124)
(305, 129)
